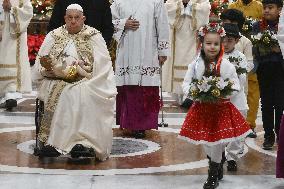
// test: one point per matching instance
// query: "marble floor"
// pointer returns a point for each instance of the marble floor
(160, 161)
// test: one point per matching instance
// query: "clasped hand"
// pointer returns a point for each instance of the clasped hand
(132, 24)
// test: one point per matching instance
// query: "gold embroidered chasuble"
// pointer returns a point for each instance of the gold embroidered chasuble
(84, 47)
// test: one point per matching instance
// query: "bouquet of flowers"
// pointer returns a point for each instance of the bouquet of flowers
(236, 62)
(210, 89)
(264, 42)
(217, 6)
(247, 27)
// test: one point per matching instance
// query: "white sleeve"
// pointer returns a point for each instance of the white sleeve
(232, 75)
(188, 78)
(243, 76)
(21, 16)
(44, 50)
(163, 29)
(117, 21)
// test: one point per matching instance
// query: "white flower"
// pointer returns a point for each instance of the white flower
(192, 87)
(221, 84)
(203, 86)
(207, 79)
(274, 37)
(257, 37)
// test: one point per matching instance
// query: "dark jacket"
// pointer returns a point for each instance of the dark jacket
(97, 12)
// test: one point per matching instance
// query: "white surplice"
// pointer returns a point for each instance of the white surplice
(85, 110)
(138, 51)
(184, 22)
(15, 75)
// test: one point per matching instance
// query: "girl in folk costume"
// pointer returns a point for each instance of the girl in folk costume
(210, 121)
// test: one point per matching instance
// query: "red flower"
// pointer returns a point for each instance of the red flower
(214, 5)
(34, 43)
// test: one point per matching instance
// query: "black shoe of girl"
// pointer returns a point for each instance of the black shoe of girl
(232, 166)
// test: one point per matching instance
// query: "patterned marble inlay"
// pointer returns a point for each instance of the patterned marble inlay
(122, 147)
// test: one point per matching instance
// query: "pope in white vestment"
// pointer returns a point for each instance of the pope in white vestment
(78, 90)
(15, 75)
(185, 18)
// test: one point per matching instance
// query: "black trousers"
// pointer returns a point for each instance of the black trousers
(271, 84)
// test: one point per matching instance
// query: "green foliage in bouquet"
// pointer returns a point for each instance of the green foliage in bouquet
(247, 27)
(264, 42)
(236, 61)
(210, 89)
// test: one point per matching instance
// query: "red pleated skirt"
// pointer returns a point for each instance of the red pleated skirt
(214, 123)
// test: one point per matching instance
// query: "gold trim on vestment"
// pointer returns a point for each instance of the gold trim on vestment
(178, 79)
(180, 67)
(82, 41)
(7, 78)
(18, 63)
(178, 14)
(49, 109)
(8, 66)
(193, 20)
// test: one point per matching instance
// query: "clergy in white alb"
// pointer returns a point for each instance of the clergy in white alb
(78, 90)
(142, 33)
(185, 18)
(15, 75)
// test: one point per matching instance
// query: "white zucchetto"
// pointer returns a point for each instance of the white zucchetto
(75, 7)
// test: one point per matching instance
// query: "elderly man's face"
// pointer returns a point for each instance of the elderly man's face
(74, 20)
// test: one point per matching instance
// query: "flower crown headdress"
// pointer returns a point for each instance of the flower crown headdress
(211, 27)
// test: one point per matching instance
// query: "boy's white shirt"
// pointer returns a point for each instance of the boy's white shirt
(240, 100)
(197, 68)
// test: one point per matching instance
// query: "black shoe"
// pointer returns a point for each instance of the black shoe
(80, 151)
(139, 134)
(48, 151)
(10, 104)
(268, 142)
(232, 166)
(212, 180)
(252, 134)
(221, 170)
